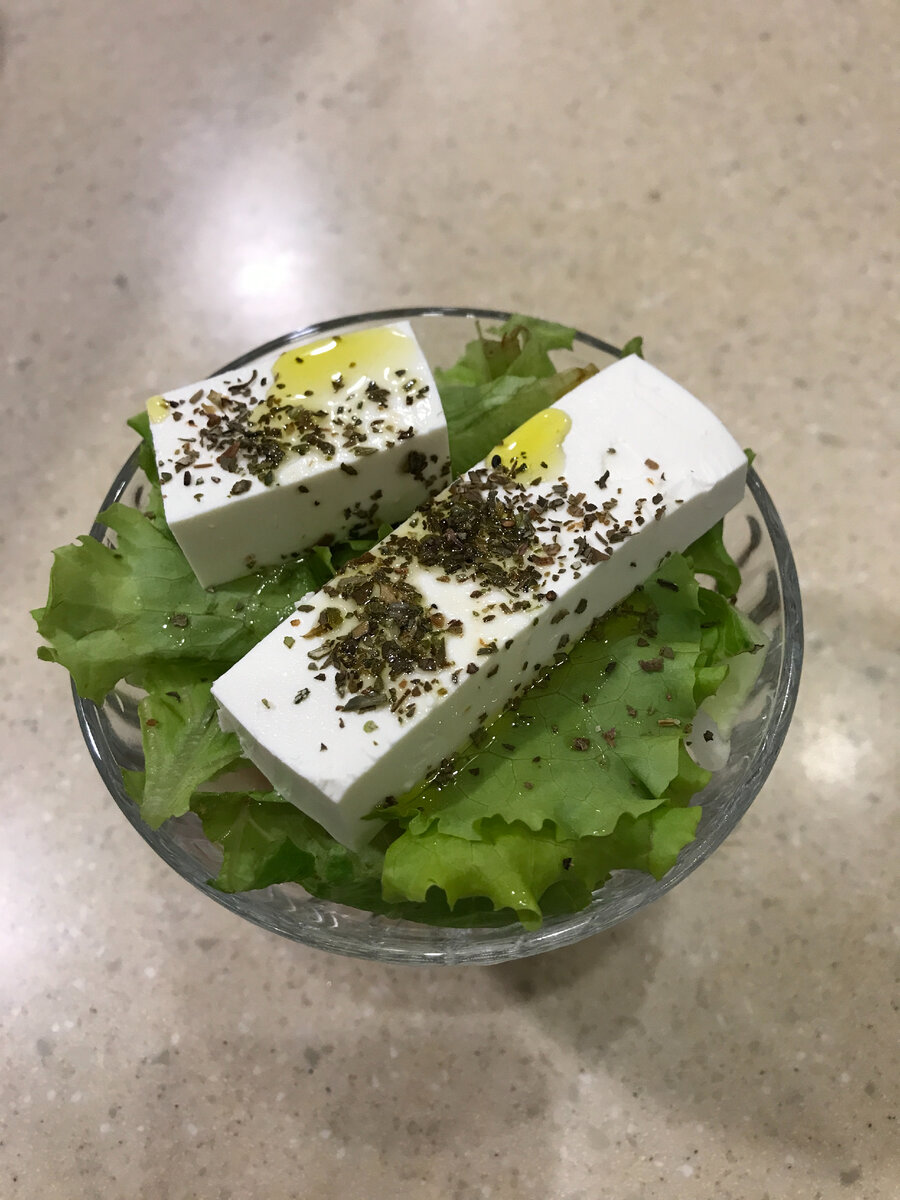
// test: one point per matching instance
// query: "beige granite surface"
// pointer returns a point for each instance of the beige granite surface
(179, 182)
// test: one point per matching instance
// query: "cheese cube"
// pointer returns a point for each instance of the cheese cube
(322, 442)
(391, 666)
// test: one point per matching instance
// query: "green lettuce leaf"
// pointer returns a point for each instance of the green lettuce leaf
(521, 346)
(531, 340)
(335, 558)
(689, 779)
(500, 382)
(708, 556)
(510, 865)
(727, 632)
(532, 872)
(479, 416)
(151, 500)
(265, 840)
(116, 613)
(740, 640)
(512, 873)
(183, 744)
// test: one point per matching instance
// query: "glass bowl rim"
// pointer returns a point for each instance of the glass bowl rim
(504, 943)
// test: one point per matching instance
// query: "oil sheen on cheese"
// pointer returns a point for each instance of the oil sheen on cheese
(157, 409)
(537, 444)
(336, 372)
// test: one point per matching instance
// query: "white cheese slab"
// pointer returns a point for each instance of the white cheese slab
(636, 439)
(228, 519)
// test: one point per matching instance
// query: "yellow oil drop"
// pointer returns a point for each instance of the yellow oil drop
(537, 445)
(157, 409)
(323, 375)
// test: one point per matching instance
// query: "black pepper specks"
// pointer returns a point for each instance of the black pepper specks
(650, 664)
(416, 464)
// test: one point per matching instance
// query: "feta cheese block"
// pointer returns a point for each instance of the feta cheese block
(392, 665)
(321, 442)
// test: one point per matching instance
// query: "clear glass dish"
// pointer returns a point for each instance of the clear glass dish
(770, 594)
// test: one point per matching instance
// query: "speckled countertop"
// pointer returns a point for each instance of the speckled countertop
(180, 182)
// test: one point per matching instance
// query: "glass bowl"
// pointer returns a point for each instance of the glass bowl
(769, 593)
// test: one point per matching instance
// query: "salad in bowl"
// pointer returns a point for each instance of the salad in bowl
(432, 636)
